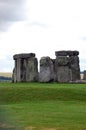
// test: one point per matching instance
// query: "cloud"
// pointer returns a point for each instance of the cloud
(37, 24)
(6, 65)
(83, 38)
(11, 11)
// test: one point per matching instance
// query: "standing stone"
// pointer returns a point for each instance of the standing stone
(32, 70)
(67, 66)
(62, 61)
(64, 74)
(26, 68)
(63, 71)
(46, 73)
(84, 75)
(64, 68)
(74, 65)
(14, 75)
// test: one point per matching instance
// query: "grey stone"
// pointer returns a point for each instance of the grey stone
(68, 65)
(66, 53)
(75, 68)
(14, 76)
(84, 75)
(64, 74)
(65, 68)
(62, 69)
(46, 73)
(23, 55)
(72, 53)
(26, 68)
(32, 70)
(62, 60)
(18, 70)
(61, 53)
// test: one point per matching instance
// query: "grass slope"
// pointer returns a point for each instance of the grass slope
(40, 106)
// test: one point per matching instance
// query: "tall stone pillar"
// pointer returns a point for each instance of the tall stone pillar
(26, 68)
(32, 70)
(74, 64)
(67, 66)
(84, 75)
(46, 73)
(63, 71)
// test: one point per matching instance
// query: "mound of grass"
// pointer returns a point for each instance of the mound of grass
(45, 106)
(24, 92)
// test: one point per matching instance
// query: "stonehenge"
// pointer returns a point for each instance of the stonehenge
(63, 69)
(47, 73)
(67, 66)
(26, 68)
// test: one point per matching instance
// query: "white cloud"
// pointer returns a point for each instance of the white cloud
(51, 25)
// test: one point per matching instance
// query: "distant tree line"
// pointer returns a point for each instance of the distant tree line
(2, 78)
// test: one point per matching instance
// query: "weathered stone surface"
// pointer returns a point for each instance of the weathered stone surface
(26, 68)
(18, 70)
(45, 61)
(74, 65)
(72, 53)
(64, 74)
(46, 73)
(62, 60)
(14, 75)
(18, 74)
(62, 69)
(84, 75)
(23, 55)
(32, 70)
(61, 53)
(66, 53)
(65, 68)
(68, 65)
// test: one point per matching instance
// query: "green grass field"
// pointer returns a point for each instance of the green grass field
(43, 106)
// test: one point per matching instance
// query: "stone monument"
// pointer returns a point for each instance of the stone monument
(67, 66)
(26, 68)
(46, 73)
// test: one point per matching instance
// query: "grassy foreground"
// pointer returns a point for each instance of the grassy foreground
(47, 106)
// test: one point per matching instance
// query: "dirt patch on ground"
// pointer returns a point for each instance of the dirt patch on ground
(30, 128)
(34, 128)
(4, 126)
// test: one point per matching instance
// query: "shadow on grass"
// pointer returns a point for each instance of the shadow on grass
(5, 122)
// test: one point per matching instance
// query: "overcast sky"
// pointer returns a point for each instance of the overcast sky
(41, 27)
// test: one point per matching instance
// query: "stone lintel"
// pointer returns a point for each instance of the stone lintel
(66, 53)
(61, 53)
(23, 56)
(73, 53)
